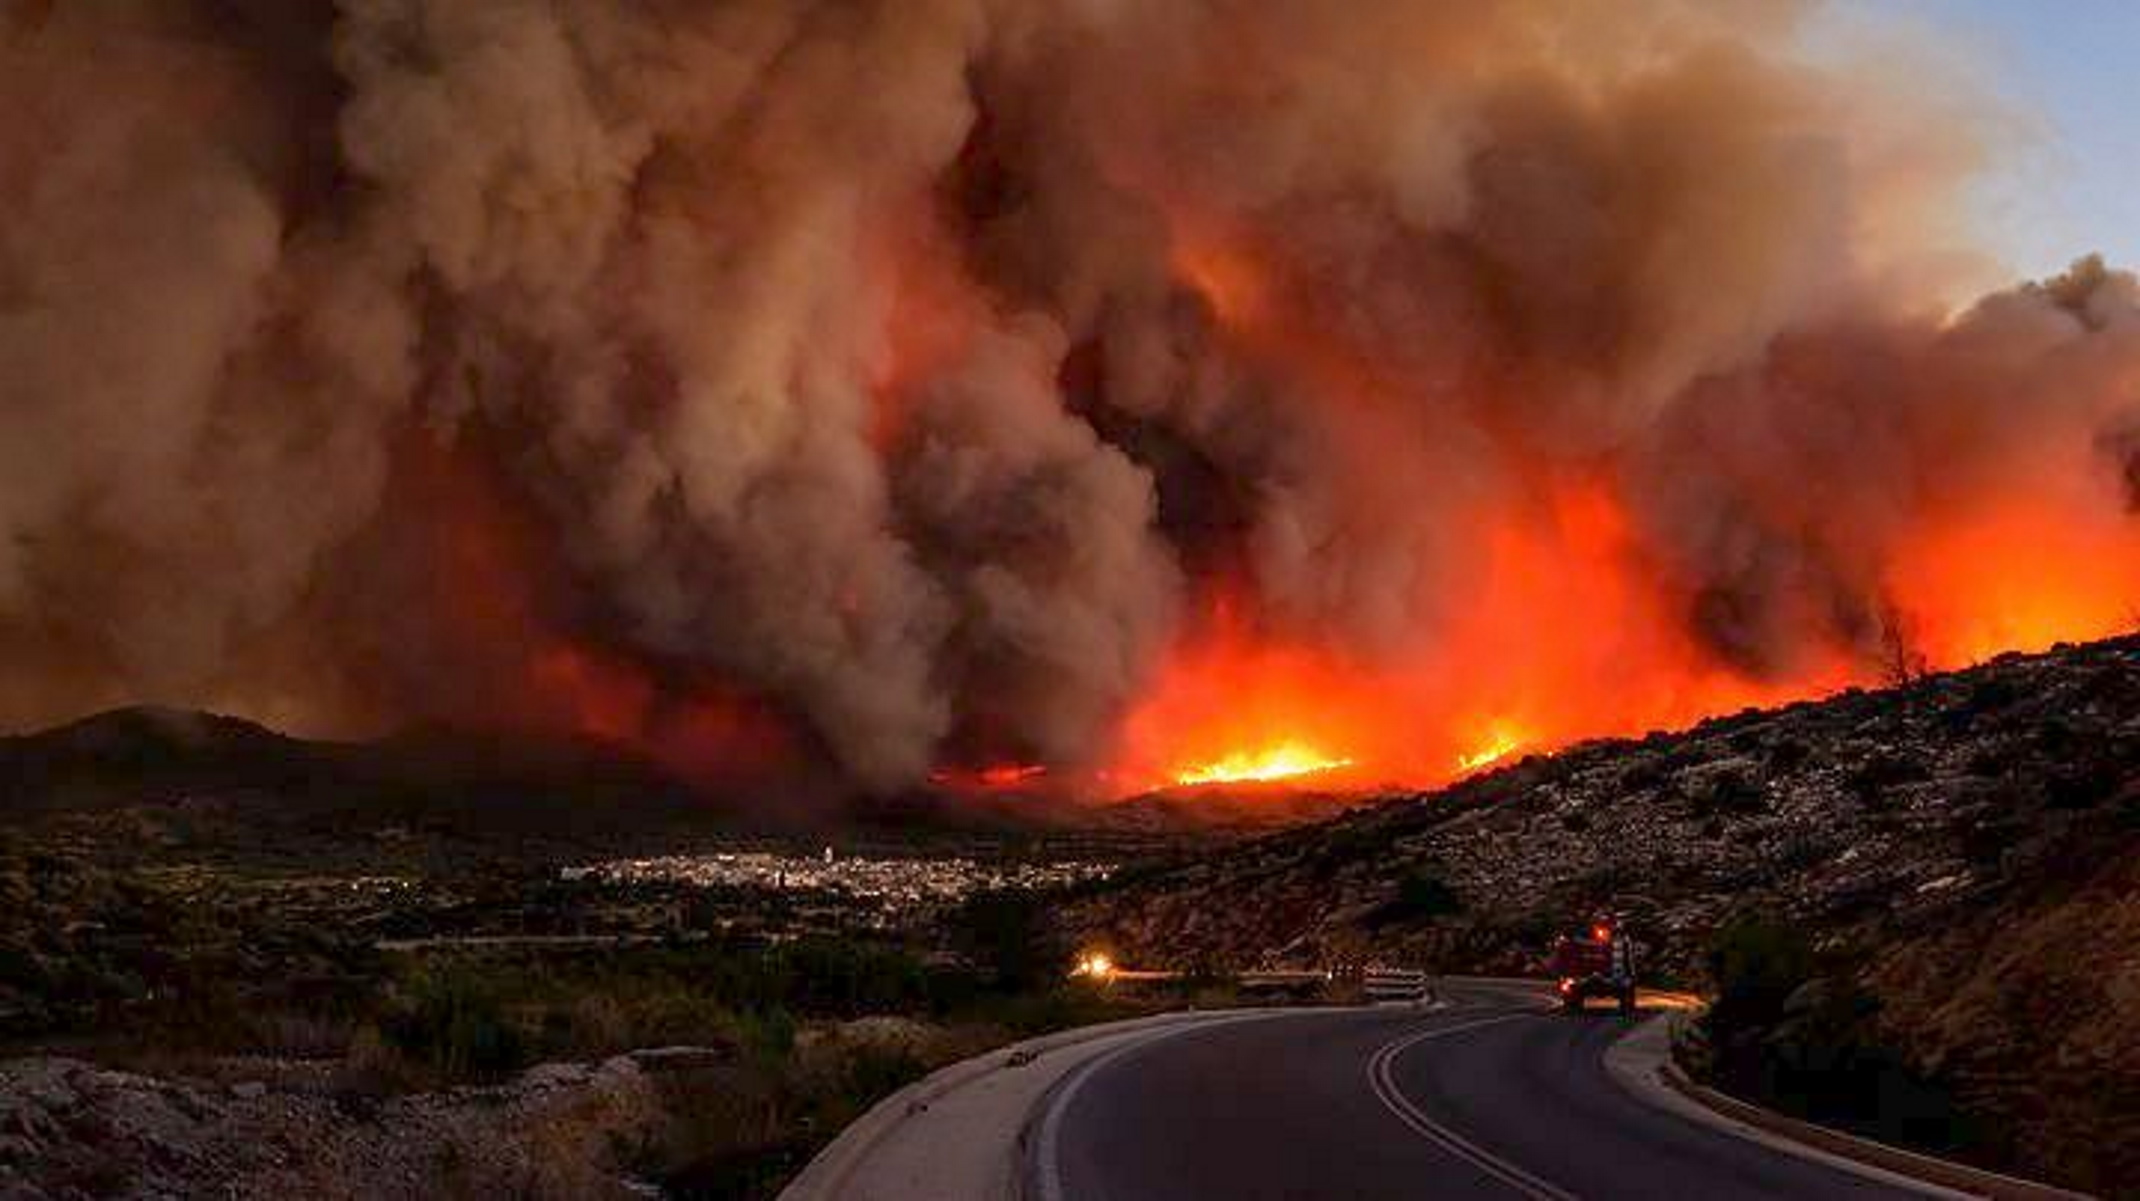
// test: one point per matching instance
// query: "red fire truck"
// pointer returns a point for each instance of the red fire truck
(1595, 962)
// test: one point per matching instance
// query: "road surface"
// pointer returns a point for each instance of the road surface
(1494, 1097)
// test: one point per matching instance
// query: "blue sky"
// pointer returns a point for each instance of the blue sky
(2075, 66)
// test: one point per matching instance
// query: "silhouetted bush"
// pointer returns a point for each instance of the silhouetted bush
(1420, 897)
(1799, 1036)
(1728, 792)
(1757, 962)
(1990, 695)
(454, 1022)
(1009, 937)
(1991, 761)
(2083, 783)
(1985, 841)
(1870, 782)
(1788, 754)
(839, 977)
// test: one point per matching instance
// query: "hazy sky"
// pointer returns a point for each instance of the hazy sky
(2074, 65)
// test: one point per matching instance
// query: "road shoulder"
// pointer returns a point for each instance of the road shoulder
(1641, 1064)
(954, 1135)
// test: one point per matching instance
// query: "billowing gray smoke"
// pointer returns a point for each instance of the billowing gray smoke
(917, 370)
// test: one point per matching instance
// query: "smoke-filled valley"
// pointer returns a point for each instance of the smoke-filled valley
(1014, 394)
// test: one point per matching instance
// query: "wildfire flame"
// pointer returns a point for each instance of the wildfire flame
(1284, 761)
(1499, 744)
(1220, 394)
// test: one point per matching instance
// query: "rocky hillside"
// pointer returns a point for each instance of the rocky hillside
(697, 1120)
(75, 1130)
(1965, 847)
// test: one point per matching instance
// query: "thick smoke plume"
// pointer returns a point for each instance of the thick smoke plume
(935, 384)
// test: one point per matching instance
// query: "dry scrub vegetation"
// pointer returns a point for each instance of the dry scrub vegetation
(165, 1048)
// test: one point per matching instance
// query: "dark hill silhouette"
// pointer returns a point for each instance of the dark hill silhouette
(239, 784)
(435, 778)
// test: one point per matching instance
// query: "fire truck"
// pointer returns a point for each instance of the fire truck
(1598, 961)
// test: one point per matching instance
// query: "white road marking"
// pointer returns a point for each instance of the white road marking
(1382, 1079)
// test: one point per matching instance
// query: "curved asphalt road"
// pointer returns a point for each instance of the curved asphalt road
(1497, 1097)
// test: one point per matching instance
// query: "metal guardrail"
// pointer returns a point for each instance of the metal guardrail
(1271, 979)
(1396, 984)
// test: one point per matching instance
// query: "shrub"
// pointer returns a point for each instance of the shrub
(1038, 1012)
(1757, 963)
(1990, 695)
(871, 1072)
(743, 1136)
(769, 1034)
(1985, 841)
(2082, 783)
(1871, 781)
(2055, 736)
(1420, 897)
(1788, 755)
(1788, 1033)
(1728, 791)
(1008, 935)
(839, 977)
(1991, 761)
(453, 1022)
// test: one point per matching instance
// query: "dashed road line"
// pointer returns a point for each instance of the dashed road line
(1382, 1079)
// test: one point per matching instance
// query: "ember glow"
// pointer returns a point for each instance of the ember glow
(993, 777)
(1007, 395)
(1093, 965)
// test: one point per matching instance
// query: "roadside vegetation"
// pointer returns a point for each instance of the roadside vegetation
(776, 1043)
(1793, 1030)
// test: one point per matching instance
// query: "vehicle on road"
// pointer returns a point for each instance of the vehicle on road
(1596, 961)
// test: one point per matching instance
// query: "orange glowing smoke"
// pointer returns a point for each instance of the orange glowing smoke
(2021, 576)
(1235, 706)
(995, 777)
(483, 565)
(1564, 635)
(1567, 634)
(1550, 626)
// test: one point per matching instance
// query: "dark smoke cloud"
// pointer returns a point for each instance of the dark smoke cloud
(909, 367)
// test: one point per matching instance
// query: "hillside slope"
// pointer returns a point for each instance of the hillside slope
(1965, 849)
(199, 781)
(136, 778)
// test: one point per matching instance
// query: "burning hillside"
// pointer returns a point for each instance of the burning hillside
(1073, 395)
(1964, 851)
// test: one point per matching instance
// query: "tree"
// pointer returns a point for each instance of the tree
(1901, 660)
(1008, 935)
